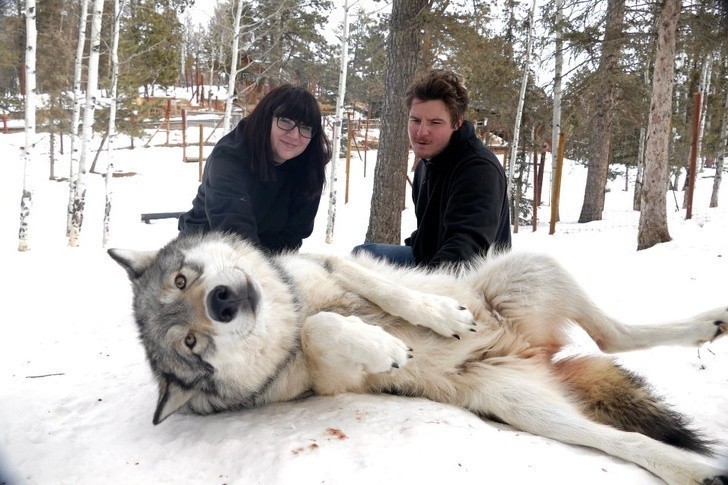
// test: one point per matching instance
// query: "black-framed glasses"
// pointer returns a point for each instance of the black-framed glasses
(287, 124)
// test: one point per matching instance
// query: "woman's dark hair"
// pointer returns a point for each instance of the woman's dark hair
(297, 104)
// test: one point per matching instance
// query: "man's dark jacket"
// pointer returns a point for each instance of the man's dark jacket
(461, 203)
(273, 214)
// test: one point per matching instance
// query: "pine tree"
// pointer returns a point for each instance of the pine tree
(653, 217)
(403, 48)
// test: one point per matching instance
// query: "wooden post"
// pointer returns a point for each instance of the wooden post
(5, 123)
(348, 156)
(556, 190)
(366, 143)
(697, 105)
(199, 158)
(167, 113)
(184, 135)
(535, 190)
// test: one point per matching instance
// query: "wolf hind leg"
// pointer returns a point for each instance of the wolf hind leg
(526, 396)
(539, 298)
(341, 351)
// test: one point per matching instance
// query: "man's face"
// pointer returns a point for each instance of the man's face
(430, 127)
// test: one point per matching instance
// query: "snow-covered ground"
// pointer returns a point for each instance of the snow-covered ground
(76, 395)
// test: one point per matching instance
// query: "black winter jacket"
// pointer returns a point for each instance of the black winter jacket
(461, 203)
(232, 198)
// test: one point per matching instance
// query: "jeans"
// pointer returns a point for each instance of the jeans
(392, 253)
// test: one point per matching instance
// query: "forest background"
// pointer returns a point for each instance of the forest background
(504, 50)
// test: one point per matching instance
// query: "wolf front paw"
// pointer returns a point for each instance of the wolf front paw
(443, 315)
(373, 348)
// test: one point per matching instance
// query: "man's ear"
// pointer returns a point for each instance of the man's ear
(458, 123)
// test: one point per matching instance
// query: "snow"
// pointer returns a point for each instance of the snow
(77, 396)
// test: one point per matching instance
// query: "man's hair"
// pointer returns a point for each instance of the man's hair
(443, 85)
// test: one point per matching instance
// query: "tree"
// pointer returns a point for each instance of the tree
(403, 49)
(76, 113)
(26, 200)
(226, 122)
(653, 217)
(603, 120)
(338, 115)
(79, 196)
(521, 100)
(724, 150)
(112, 120)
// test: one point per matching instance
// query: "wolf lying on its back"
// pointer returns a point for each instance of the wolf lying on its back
(227, 327)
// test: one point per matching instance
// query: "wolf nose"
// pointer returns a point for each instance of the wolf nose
(222, 302)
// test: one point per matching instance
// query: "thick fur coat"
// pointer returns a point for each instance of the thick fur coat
(227, 327)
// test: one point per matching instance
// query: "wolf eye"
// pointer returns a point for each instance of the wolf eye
(180, 281)
(190, 341)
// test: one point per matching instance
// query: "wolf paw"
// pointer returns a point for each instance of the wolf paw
(715, 322)
(443, 315)
(373, 348)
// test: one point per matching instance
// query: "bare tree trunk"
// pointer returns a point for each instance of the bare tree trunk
(653, 216)
(603, 120)
(28, 151)
(403, 47)
(75, 142)
(233, 68)
(79, 196)
(336, 138)
(639, 178)
(721, 156)
(112, 121)
(558, 69)
(521, 102)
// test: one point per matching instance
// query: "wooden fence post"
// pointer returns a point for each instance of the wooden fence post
(199, 158)
(697, 106)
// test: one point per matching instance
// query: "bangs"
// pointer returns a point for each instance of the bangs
(301, 109)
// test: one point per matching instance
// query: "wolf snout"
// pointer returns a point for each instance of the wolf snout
(224, 302)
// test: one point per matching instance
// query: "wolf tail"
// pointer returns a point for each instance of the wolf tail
(612, 395)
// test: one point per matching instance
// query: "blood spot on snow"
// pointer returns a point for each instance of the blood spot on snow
(337, 433)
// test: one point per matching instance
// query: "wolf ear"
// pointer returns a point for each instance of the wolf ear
(171, 398)
(134, 262)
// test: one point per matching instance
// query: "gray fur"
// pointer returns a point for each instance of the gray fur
(483, 337)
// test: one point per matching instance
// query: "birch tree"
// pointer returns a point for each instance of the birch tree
(112, 121)
(521, 101)
(226, 123)
(338, 115)
(79, 195)
(28, 151)
(558, 73)
(76, 115)
(722, 155)
(653, 215)
(390, 175)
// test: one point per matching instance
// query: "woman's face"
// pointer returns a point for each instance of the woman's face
(286, 140)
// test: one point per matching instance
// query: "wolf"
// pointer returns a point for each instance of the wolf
(227, 327)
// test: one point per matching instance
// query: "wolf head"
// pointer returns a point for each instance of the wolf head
(201, 317)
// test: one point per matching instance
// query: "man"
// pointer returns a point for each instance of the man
(459, 187)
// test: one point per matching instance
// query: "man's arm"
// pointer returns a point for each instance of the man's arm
(473, 212)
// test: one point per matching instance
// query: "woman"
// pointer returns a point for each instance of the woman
(263, 180)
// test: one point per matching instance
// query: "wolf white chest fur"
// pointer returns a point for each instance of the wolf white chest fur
(226, 327)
